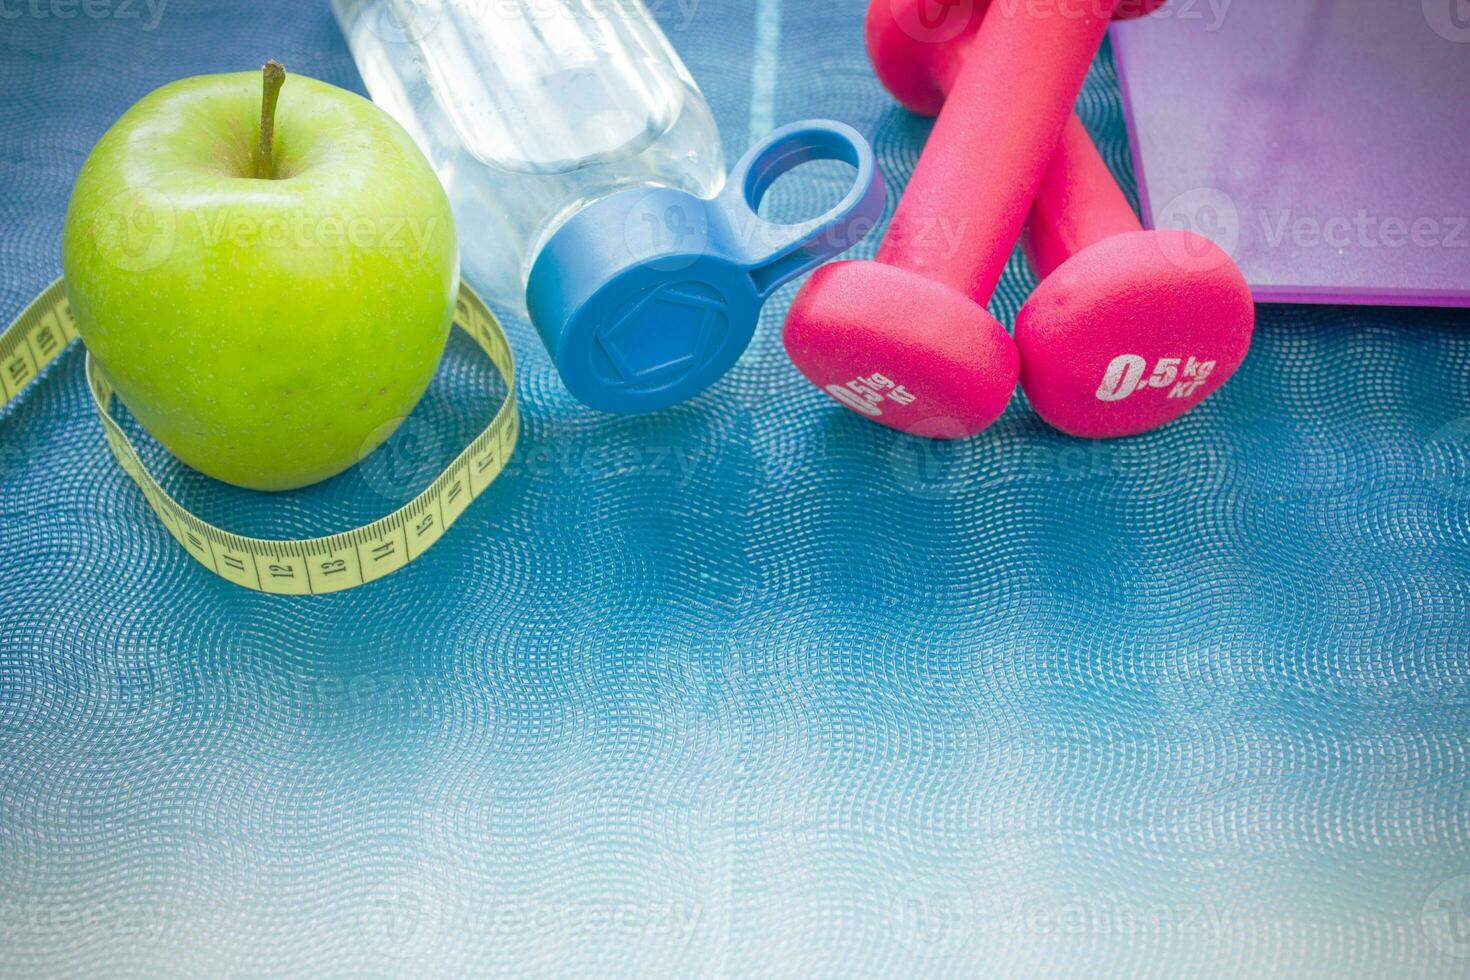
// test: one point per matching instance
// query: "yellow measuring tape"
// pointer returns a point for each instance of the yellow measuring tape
(313, 565)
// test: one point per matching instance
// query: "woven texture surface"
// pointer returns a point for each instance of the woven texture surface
(750, 685)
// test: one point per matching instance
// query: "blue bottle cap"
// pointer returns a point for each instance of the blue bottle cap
(648, 296)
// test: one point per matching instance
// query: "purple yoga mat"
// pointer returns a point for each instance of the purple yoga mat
(1324, 143)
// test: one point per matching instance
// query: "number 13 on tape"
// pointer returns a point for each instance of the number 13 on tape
(288, 567)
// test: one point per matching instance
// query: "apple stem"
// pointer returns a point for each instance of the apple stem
(274, 78)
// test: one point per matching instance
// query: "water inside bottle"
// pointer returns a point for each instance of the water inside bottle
(531, 110)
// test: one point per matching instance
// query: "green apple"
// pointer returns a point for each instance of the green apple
(267, 276)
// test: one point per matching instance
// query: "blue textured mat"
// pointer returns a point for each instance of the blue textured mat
(751, 685)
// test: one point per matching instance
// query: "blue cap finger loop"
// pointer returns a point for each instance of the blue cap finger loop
(778, 252)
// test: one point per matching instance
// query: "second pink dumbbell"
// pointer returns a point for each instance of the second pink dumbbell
(1129, 329)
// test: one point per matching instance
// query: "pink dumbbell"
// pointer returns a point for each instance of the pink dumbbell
(906, 339)
(1129, 329)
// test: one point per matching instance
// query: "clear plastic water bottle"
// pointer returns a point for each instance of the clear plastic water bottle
(586, 176)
